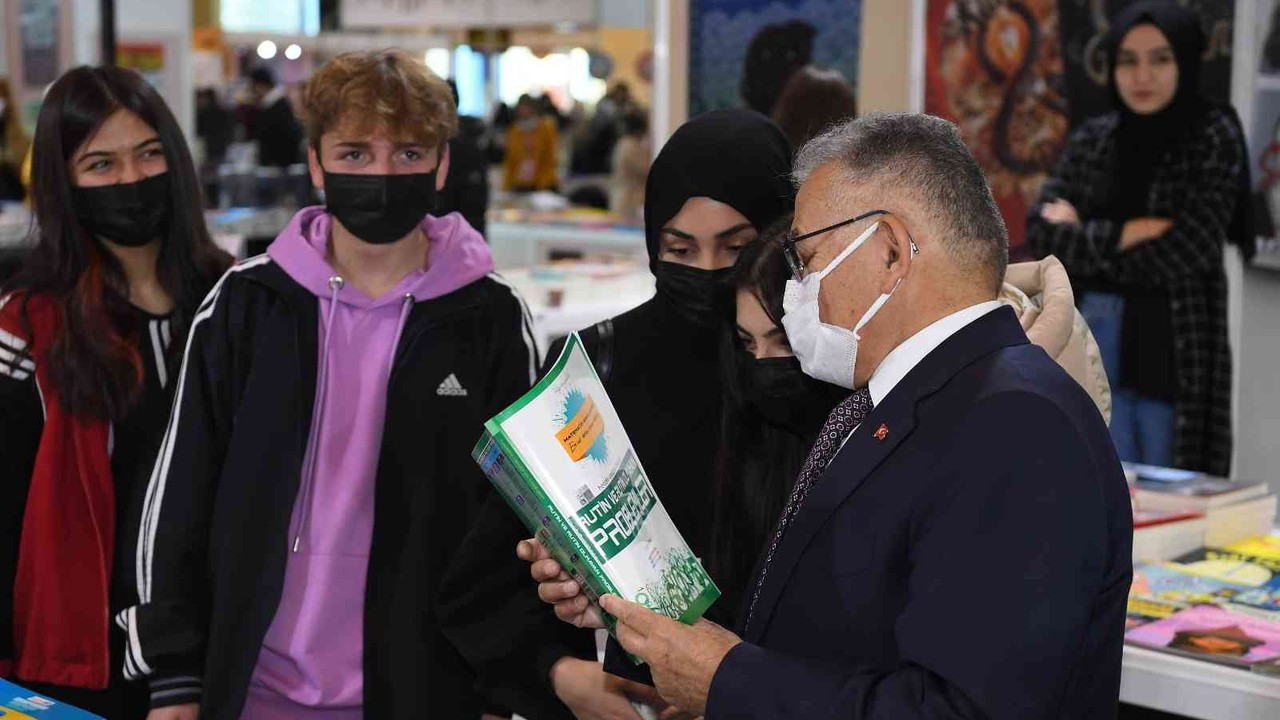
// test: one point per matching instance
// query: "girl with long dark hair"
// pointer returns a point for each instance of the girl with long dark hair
(91, 330)
(770, 416)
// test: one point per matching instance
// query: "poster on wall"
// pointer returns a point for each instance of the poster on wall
(741, 52)
(1084, 25)
(39, 32)
(994, 68)
(156, 58)
(145, 57)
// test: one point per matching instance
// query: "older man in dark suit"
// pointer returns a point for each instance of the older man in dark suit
(958, 542)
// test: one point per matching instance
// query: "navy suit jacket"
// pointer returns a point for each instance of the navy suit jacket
(969, 560)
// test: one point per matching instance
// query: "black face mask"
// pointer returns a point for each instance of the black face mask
(700, 295)
(380, 209)
(784, 396)
(131, 214)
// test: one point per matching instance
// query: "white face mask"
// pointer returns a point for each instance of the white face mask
(826, 352)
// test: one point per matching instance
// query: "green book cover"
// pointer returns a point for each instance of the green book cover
(562, 460)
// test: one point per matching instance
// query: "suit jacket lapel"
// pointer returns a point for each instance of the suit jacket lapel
(850, 468)
(864, 451)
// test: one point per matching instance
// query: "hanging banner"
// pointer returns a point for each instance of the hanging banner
(995, 69)
(434, 14)
(541, 12)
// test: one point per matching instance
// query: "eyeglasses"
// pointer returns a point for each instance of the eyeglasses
(792, 255)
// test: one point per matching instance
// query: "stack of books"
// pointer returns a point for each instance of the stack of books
(1176, 511)
(1220, 604)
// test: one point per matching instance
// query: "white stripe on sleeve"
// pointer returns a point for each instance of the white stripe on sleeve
(145, 553)
(44, 412)
(134, 647)
(157, 348)
(12, 342)
(530, 339)
(10, 358)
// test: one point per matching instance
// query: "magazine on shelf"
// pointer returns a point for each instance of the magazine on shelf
(561, 459)
(1170, 583)
(1264, 546)
(1225, 563)
(19, 703)
(1153, 473)
(1199, 494)
(1215, 634)
(1254, 581)
(1143, 610)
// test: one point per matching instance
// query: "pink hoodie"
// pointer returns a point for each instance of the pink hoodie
(311, 664)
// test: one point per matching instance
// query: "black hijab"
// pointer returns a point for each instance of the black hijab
(1142, 140)
(737, 157)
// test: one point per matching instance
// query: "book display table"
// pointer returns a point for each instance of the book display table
(1196, 688)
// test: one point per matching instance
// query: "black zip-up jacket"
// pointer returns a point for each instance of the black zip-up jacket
(214, 539)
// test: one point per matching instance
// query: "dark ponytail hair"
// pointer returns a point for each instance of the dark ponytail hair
(757, 462)
(93, 363)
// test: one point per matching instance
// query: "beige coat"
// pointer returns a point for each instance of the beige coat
(1040, 292)
(631, 159)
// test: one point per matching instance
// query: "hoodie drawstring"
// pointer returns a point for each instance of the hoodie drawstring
(405, 307)
(309, 470)
(317, 419)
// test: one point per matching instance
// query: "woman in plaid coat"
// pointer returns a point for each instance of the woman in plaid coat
(1138, 210)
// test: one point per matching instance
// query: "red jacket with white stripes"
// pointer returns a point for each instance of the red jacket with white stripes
(59, 525)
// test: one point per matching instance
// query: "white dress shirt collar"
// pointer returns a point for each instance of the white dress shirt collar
(903, 359)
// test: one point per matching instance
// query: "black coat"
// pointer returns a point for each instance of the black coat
(466, 189)
(1197, 184)
(279, 135)
(972, 560)
(229, 472)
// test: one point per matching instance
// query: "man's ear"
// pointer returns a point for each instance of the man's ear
(896, 244)
(313, 165)
(442, 167)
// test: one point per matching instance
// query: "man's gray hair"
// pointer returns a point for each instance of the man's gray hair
(924, 156)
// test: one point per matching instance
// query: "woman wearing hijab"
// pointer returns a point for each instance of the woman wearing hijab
(1137, 210)
(720, 180)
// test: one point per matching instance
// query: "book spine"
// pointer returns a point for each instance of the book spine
(491, 460)
(545, 520)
